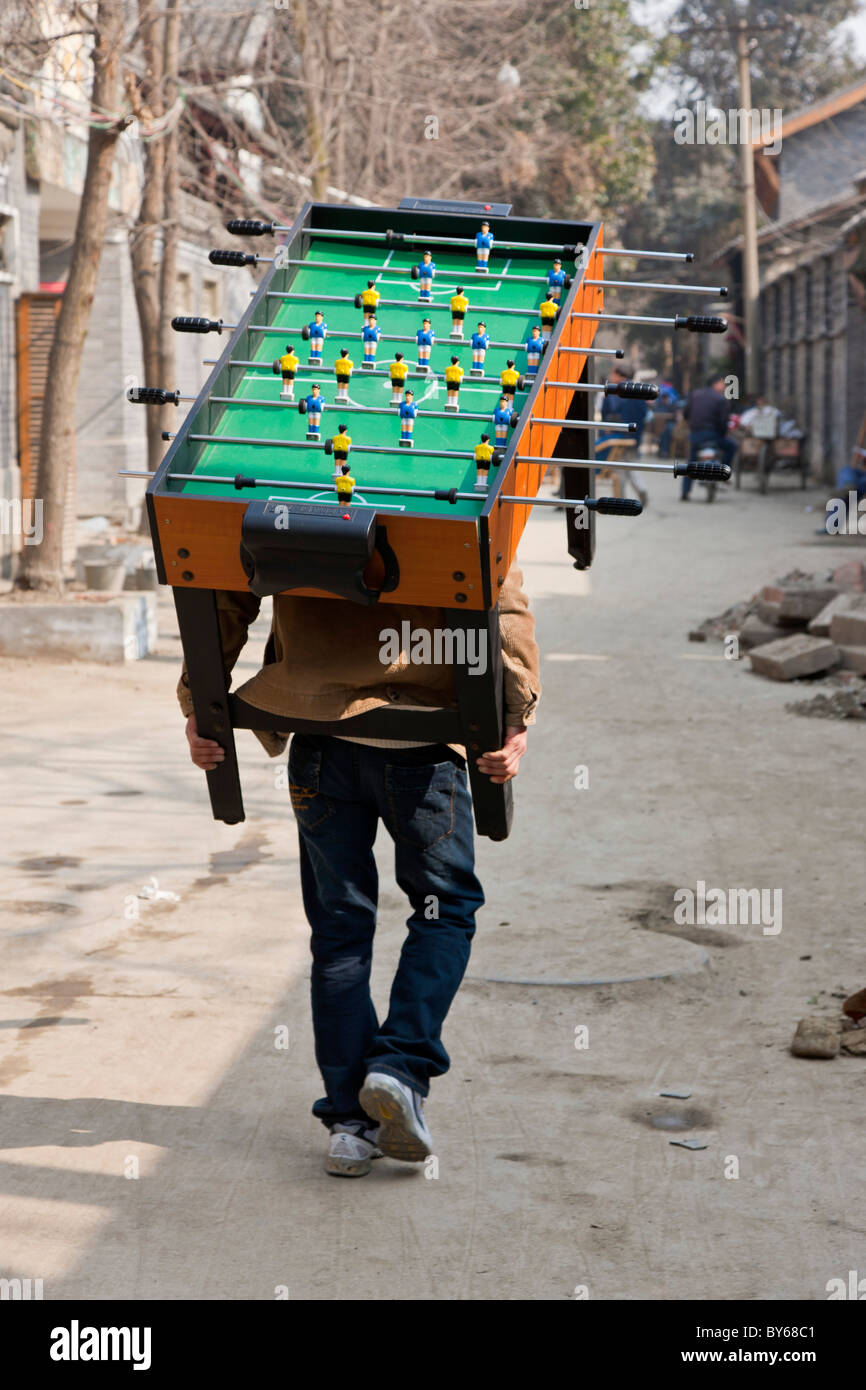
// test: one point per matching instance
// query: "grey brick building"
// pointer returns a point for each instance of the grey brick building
(812, 251)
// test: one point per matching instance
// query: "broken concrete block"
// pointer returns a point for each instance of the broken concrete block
(854, 1041)
(805, 601)
(790, 657)
(855, 1005)
(849, 626)
(816, 1037)
(853, 659)
(768, 612)
(820, 625)
(754, 632)
(851, 575)
(771, 593)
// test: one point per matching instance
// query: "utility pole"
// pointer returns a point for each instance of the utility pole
(751, 279)
(745, 41)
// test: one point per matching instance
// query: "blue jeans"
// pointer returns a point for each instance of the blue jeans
(700, 439)
(339, 793)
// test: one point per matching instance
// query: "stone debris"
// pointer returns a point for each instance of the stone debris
(816, 1037)
(790, 657)
(805, 627)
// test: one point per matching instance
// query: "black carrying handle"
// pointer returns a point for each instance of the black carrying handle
(232, 258)
(244, 226)
(152, 395)
(636, 390)
(701, 323)
(704, 472)
(184, 323)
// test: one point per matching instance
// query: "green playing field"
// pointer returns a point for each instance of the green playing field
(276, 421)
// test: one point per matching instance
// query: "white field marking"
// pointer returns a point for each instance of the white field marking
(357, 501)
(385, 267)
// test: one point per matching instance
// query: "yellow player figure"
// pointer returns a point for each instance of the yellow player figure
(453, 378)
(398, 372)
(345, 485)
(459, 305)
(368, 300)
(509, 379)
(339, 445)
(288, 363)
(548, 311)
(343, 372)
(483, 455)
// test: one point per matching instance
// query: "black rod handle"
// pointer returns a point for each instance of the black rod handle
(704, 472)
(244, 226)
(184, 323)
(232, 258)
(617, 506)
(152, 395)
(701, 323)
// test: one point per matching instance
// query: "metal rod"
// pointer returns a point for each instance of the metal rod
(374, 491)
(720, 291)
(584, 425)
(590, 351)
(364, 372)
(338, 405)
(311, 444)
(624, 318)
(646, 255)
(384, 337)
(393, 303)
(396, 238)
(407, 270)
(597, 463)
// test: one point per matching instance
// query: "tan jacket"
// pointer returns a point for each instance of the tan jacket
(323, 658)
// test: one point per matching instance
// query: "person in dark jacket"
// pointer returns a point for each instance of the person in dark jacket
(707, 412)
(622, 412)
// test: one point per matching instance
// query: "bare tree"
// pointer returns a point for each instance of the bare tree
(42, 565)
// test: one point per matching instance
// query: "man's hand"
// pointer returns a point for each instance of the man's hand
(502, 766)
(205, 752)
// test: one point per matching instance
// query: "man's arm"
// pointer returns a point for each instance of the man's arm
(522, 680)
(236, 612)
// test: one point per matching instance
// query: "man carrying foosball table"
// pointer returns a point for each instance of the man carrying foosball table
(402, 655)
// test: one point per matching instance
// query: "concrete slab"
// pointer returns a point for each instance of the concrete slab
(110, 628)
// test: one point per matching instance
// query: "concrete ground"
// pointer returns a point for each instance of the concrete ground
(156, 1134)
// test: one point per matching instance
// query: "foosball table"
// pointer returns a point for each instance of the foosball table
(376, 429)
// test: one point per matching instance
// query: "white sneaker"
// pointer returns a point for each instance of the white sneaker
(403, 1132)
(351, 1150)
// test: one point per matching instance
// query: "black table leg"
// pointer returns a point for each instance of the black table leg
(202, 648)
(575, 442)
(479, 685)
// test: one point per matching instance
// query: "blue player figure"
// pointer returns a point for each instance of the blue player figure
(425, 338)
(534, 348)
(316, 331)
(423, 272)
(483, 247)
(556, 279)
(408, 411)
(480, 344)
(504, 416)
(312, 406)
(370, 336)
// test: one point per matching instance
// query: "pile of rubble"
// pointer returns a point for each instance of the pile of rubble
(806, 626)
